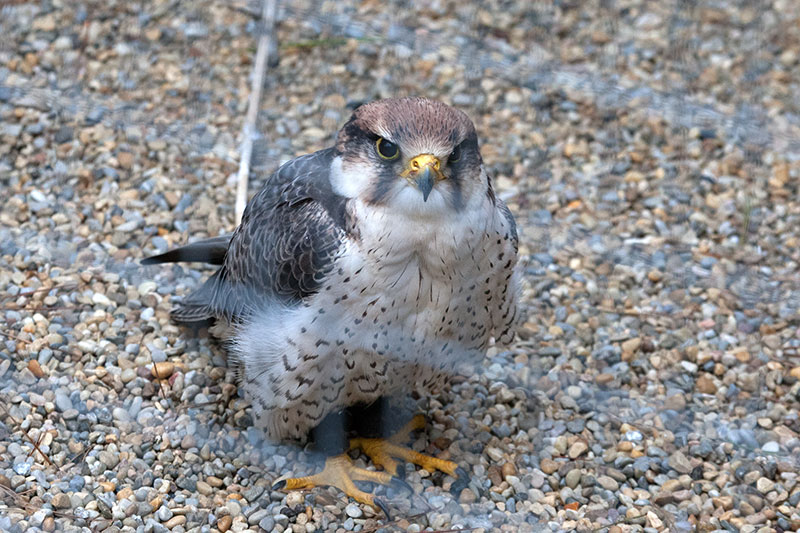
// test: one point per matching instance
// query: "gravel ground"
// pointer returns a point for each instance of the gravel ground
(650, 153)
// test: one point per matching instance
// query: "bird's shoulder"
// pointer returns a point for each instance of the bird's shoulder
(303, 179)
(291, 231)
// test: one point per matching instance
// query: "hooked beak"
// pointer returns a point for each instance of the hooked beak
(424, 171)
(424, 182)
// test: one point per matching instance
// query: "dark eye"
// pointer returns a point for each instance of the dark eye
(386, 149)
(455, 155)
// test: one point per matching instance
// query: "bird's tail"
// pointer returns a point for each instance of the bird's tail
(206, 251)
(198, 309)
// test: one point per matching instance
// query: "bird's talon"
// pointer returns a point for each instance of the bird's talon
(400, 484)
(460, 483)
(383, 507)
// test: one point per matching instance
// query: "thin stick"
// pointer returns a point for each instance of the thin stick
(269, 10)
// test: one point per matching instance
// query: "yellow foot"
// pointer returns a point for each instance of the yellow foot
(340, 472)
(383, 451)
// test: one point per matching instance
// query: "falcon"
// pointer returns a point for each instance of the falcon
(362, 272)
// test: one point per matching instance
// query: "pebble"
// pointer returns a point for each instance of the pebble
(608, 483)
(679, 463)
(224, 523)
(352, 510)
(577, 449)
(61, 501)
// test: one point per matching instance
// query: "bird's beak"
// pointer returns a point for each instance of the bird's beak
(424, 182)
(424, 171)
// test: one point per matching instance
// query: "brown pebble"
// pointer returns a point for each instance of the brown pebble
(162, 369)
(204, 488)
(124, 493)
(224, 523)
(4, 481)
(625, 446)
(577, 449)
(61, 501)
(125, 159)
(49, 524)
(548, 466)
(631, 345)
(494, 475)
(509, 469)
(175, 521)
(467, 496)
(604, 379)
(35, 368)
(705, 384)
(214, 481)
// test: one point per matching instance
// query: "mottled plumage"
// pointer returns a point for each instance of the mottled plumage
(343, 284)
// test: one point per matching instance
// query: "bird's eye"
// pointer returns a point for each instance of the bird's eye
(455, 155)
(386, 149)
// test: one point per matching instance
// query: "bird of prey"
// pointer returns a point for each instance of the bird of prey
(360, 272)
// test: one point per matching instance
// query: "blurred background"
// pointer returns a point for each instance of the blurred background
(649, 151)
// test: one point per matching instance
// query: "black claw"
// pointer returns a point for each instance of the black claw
(461, 482)
(398, 483)
(278, 485)
(382, 506)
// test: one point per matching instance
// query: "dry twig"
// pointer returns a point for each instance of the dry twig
(266, 48)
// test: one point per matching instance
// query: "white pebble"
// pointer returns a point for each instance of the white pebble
(353, 510)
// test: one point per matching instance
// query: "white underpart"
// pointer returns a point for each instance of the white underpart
(419, 274)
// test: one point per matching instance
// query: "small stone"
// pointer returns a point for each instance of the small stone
(771, 447)
(631, 345)
(680, 463)
(224, 523)
(508, 469)
(294, 498)
(548, 466)
(608, 483)
(573, 478)
(175, 521)
(61, 501)
(121, 414)
(467, 496)
(44, 23)
(163, 369)
(62, 401)
(577, 449)
(494, 454)
(354, 511)
(35, 368)
(764, 485)
(125, 159)
(654, 521)
(705, 384)
(127, 375)
(109, 459)
(204, 488)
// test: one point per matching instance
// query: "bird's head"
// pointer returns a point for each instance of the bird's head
(411, 154)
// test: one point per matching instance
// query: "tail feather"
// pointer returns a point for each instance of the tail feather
(201, 307)
(211, 250)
